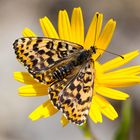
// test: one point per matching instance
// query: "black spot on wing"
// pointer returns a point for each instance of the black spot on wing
(50, 60)
(35, 47)
(41, 52)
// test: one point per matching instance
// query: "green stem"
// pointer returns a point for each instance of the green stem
(87, 132)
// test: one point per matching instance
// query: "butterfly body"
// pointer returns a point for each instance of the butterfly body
(66, 67)
(65, 70)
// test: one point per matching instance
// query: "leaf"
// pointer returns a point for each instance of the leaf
(122, 132)
(85, 129)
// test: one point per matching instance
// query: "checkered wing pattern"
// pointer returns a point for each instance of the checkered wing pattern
(42, 55)
(73, 95)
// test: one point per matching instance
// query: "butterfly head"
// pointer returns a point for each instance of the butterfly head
(92, 49)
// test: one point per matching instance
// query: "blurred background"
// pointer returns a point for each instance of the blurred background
(15, 15)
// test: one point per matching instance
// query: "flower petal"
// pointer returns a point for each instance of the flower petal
(28, 33)
(105, 107)
(24, 77)
(95, 113)
(104, 38)
(43, 111)
(33, 90)
(118, 80)
(111, 93)
(47, 28)
(94, 28)
(64, 121)
(64, 26)
(77, 26)
(134, 70)
(117, 62)
(98, 70)
(110, 112)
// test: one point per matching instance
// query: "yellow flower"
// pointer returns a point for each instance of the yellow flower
(105, 78)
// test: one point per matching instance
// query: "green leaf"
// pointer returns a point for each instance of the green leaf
(125, 123)
(86, 131)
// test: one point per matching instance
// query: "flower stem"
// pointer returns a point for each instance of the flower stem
(87, 132)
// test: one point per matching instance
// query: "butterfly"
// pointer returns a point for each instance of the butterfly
(68, 69)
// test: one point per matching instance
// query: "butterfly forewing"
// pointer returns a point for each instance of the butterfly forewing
(73, 95)
(42, 55)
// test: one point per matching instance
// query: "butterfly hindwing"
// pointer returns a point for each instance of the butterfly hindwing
(41, 55)
(73, 96)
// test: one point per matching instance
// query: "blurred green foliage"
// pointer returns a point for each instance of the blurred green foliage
(125, 123)
(86, 130)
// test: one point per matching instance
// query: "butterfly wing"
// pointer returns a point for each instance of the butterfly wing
(73, 95)
(42, 55)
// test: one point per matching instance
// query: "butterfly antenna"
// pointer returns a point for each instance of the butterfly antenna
(111, 52)
(94, 47)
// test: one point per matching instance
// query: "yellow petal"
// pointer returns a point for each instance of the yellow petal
(95, 113)
(24, 77)
(98, 70)
(111, 93)
(77, 26)
(117, 62)
(104, 38)
(47, 28)
(43, 111)
(28, 33)
(110, 112)
(64, 26)
(105, 107)
(134, 70)
(64, 121)
(93, 31)
(33, 90)
(118, 80)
